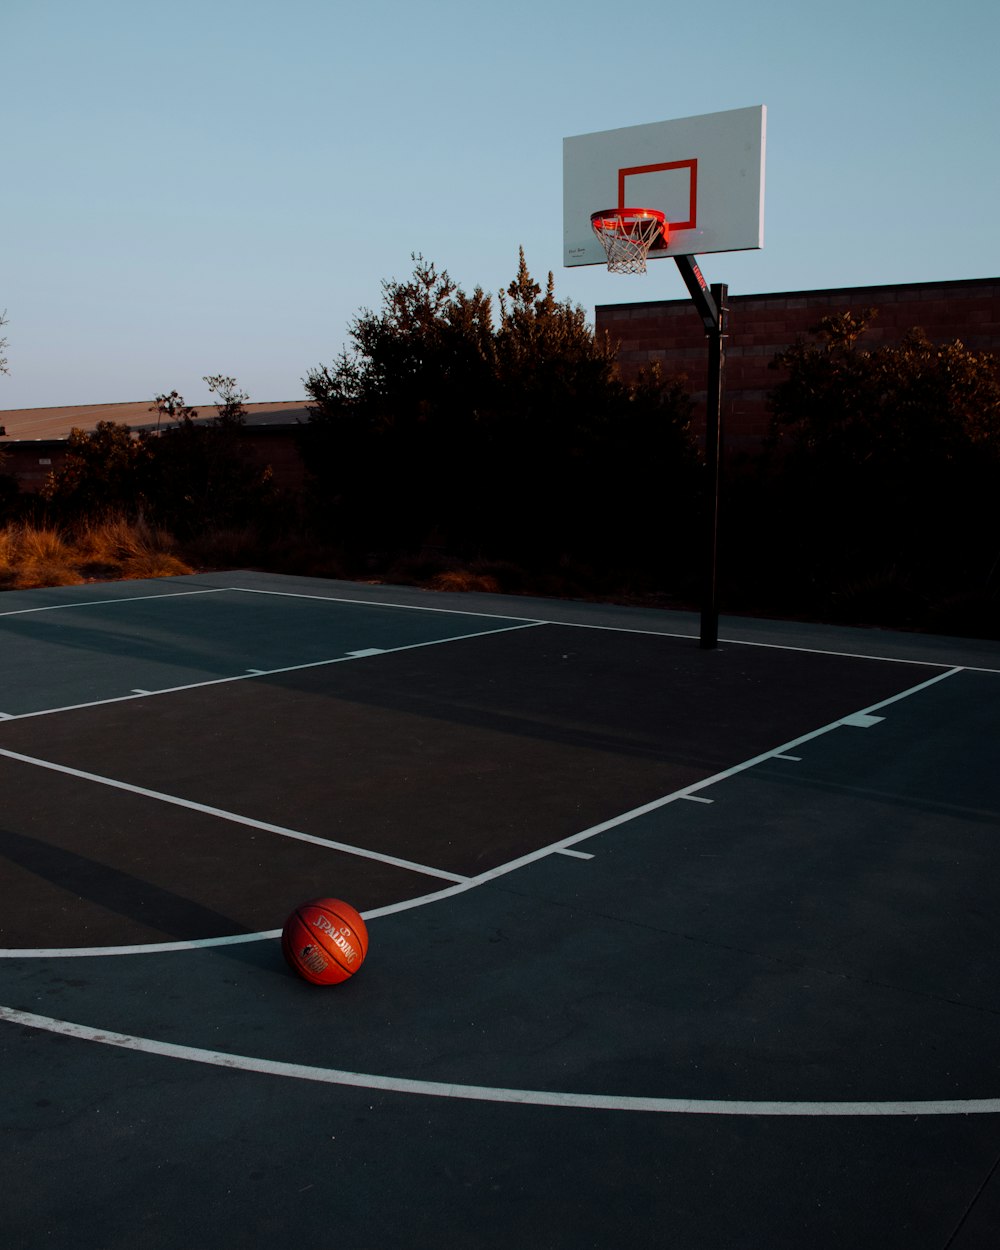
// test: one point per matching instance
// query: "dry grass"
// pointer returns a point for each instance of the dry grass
(465, 580)
(128, 550)
(33, 556)
(227, 547)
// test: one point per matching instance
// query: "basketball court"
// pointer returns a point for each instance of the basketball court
(669, 946)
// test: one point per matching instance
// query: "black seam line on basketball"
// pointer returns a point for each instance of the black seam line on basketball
(618, 629)
(346, 920)
(307, 938)
(235, 818)
(97, 603)
(484, 1093)
(313, 942)
(274, 672)
(335, 953)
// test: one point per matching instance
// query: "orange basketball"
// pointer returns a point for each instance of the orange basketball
(325, 941)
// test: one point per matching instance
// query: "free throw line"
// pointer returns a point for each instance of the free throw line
(233, 817)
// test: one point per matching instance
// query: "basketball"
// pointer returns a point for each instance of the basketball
(325, 941)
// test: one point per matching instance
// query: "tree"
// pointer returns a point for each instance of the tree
(200, 476)
(608, 467)
(231, 402)
(894, 407)
(172, 411)
(8, 482)
(187, 475)
(393, 435)
(103, 471)
(516, 439)
(889, 456)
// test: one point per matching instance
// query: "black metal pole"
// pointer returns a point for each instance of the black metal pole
(713, 466)
(711, 303)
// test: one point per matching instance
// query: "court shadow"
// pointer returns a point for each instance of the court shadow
(146, 908)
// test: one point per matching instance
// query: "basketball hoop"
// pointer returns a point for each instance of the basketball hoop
(627, 234)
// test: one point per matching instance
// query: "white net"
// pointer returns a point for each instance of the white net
(627, 235)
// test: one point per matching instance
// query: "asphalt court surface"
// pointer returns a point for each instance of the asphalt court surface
(761, 1011)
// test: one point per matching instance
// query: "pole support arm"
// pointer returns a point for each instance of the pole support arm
(700, 292)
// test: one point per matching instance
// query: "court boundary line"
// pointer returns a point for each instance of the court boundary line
(492, 874)
(375, 603)
(495, 615)
(620, 629)
(496, 1094)
(96, 603)
(518, 622)
(860, 655)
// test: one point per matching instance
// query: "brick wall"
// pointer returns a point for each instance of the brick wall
(671, 332)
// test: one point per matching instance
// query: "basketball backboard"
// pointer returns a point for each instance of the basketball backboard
(705, 173)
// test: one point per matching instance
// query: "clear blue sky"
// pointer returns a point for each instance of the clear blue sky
(219, 187)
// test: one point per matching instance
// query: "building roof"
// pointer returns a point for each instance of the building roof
(54, 423)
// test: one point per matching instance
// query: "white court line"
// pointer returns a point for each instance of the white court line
(470, 883)
(490, 1093)
(857, 655)
(376, 603)
(233, 939)
(254, 673)
(520, 1097)
(690, 791)
(137, 948)
(233, 817)
(618, 629)
(854, 717)
(452, 611)
(97, 603)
